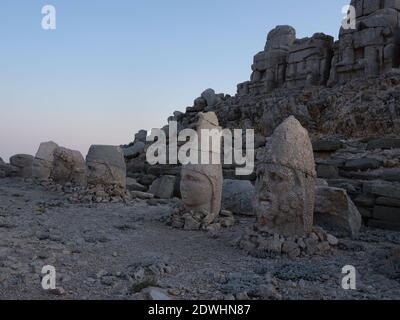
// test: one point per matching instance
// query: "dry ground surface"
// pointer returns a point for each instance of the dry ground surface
(112, 251)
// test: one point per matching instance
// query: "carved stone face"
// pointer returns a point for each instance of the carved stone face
(281, 203)
(196, 190)
(97, 171)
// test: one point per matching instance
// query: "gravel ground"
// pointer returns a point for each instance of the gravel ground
(113, 251)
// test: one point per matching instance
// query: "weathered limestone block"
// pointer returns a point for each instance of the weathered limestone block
(373, 47)
(269, 67)
(23, 163)
(201, 184)
(106, 166)
(69, 167)
(238, 196)
(309, 61)
(163, 188)
(286, 182)
(335, 210)
(43, 162)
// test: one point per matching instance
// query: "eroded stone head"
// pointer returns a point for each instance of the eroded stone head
(285, 182)
(201, 184)
(106, 166)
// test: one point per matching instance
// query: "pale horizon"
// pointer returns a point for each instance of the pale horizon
(111, 69)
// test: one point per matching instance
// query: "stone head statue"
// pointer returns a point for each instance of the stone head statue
(106, 166)
(286, 181)
(201, 184)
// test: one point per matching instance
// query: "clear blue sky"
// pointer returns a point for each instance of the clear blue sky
(114, 67)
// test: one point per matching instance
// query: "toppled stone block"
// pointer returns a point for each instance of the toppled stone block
(238, 197)
(163, 188)
(335, 210)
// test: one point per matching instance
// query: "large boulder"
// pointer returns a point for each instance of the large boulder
(43, 161)
(163, 188)
(335, 210)
(106, 166)
(23, 164)
(69, 167)
(238, 196)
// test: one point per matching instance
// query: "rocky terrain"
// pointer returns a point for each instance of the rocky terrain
(113, 251)
(325, 192)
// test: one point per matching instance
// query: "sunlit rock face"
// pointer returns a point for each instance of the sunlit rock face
(201, 184)
(285, 183)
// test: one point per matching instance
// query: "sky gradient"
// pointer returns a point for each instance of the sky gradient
(112, 68)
